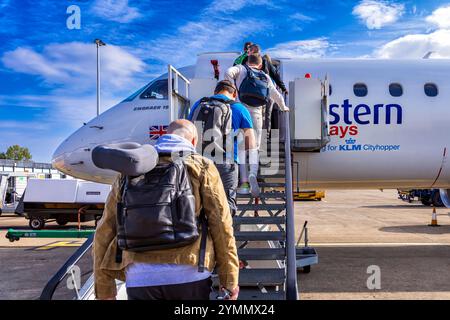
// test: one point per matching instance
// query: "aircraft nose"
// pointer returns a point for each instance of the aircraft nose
(60, 158)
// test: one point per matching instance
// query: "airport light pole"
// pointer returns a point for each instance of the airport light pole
(99, 43)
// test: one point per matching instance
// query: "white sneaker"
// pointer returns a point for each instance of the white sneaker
(244, 188)
(254, 187)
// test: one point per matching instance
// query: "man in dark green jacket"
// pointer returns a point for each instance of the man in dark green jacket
(244, 55)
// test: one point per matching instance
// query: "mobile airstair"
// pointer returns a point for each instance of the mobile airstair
(265, 232)
(264, 226)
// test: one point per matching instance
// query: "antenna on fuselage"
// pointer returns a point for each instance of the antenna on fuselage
(428, 55)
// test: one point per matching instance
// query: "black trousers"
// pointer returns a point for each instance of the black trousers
(229, 175)
(198, 290)
(268, 116)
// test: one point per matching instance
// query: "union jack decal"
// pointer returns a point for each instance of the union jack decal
(157, 131)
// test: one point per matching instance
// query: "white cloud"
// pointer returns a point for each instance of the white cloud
(415, 46)
(235, 5)
(26, 60)
(301, 17)
(115, 10)
(376, 13)
(213, 30)
(69, 71)
(196, 37)
(24, 125)
(74, 64)
(315, 48)
(440, 17)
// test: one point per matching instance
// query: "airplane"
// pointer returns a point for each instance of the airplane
(355, 123)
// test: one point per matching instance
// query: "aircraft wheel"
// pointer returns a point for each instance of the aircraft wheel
(37, 223)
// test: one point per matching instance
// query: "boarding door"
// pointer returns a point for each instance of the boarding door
(178, 94)
(308, 102)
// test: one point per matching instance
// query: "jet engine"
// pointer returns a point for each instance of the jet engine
(445, 197)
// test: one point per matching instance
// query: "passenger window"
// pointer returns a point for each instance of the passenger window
(360, 90)
(396, 89)
(431, 90)
(157, 90)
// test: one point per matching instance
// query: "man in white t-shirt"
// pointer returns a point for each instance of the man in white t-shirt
(238, 74)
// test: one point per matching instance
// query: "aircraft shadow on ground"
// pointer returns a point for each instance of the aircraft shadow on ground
(400, 206)
(404, 269)
(423, 229)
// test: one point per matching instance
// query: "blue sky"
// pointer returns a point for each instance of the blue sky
(47, 71)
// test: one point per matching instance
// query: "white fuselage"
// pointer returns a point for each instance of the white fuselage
(377, 141)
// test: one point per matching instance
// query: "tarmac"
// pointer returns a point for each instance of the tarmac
(352, 231)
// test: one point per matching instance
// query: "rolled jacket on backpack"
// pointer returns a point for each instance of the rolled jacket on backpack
(128, 158)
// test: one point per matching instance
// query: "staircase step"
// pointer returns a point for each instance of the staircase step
(260, 236)
(264, 195)
(272, 185)
(273, 166)
(261, 207)
(259, 220)
(265, 277)
(256, 294)
(272, 176)
(262, 254)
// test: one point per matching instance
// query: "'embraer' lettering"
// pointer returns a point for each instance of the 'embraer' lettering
(364, 115)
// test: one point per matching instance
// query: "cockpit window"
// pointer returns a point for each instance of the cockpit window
(157, 90)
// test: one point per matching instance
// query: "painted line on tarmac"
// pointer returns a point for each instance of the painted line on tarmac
(377, 244)
(59, 244)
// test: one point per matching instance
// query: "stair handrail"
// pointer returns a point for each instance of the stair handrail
(291, 258)
(52, 284)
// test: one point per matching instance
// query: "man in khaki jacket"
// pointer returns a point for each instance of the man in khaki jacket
(172, 273)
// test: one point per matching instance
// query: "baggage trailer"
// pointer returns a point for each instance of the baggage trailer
(63, 201)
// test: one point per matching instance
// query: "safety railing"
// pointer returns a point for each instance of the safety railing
(291, 264)
(52, 284)
(178, 101)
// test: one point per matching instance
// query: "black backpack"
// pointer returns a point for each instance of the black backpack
(254, 89)
(157, 211)
(214, 123)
